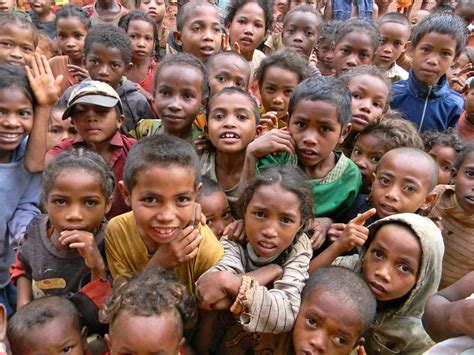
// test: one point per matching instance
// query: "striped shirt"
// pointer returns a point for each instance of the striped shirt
(458, 235)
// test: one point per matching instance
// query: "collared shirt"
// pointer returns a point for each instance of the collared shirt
(458, 235)
(121, 146)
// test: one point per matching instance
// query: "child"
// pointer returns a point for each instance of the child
(454, 206)
(461, 70)
(465, 126)
(231, 126)
(447, 317)
(355, 43)
(214, 206)
(370, 92)
(324, 49)
(61, 251)
(42, 16)
(105, 12)
(400, 259)
(395, 31)
(20, 100)
(425, 97)
(181, 91)
(403, 183)
(277, 76)
(227, 69)
(160, 182)
(50, 325)
(72, 25)
(337, 308)
(274, 207)
(377, 139)
(156, 9)
(319, 115)
(143, 34)
(198, 29)
(415, 18)
(301, 31)
(97, 113)
(20, 37)
(444, 148)
(108, 53)
(59, 129)
(247, 23)
(147, 314)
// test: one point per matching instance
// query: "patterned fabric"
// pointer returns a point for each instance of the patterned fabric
(458, 235)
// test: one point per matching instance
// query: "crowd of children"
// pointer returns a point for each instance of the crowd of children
(287, 177)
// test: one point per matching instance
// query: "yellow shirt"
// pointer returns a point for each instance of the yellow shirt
(128, 255)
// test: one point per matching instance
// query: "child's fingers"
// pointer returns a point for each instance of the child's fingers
(361, 218)
(191, 255)
(77, 245)
(193, 244)
(34, 65)
(46, 66)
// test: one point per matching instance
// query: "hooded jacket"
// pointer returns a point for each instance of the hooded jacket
(399, 330)
(135, 105)
(429, 107)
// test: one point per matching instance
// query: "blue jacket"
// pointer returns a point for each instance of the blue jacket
(428, 107)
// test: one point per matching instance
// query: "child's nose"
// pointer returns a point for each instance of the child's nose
(383, 272)
(11, 121)
(74, 213)
(16, 52)
(319, 341)
(352, 61)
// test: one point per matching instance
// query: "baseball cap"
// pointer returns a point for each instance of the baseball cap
(93, 92)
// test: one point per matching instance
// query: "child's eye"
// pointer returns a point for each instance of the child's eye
(377, 253)
(311, 321)
(218, 116)
(25, 114)
(79, 36)
(164, 92)
(469, 173)
(375, 159)
(149, 199)
(91, 203)
(286, 220)
(404, 268)
(384, 181)
(356, 95)
(183, 199)
(196, 28)
(115, 65)
(259, 214)
(221, 78)
(340, 340)
(188, 96)
(410, 189)
(242, 117)
(6, 44)
(132, 36)
(356, 152)
(60, 202)
(239, 84)
(300, 125)
(289, 92)
(93, 61)
(325, 129)
(67, 349)
(378, 104)
(446, 167)
(149, 38)
(309, 33)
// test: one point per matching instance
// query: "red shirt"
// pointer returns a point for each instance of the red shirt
(121, 146)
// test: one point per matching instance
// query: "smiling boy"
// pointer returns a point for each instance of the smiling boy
(425, 98)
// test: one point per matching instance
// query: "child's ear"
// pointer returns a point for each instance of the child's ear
(407, 47)
(359, 343)
(345, 132)
(429, 200)
(177, 38)
(120, 121)
(454, 175)
(128, 66)
(84, 333)
(125, 193)
(199, 188)
(109, 204)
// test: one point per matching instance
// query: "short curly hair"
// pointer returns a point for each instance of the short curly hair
(152, 292)
(109, 36)
(287, 59)
(236, 5)
(449, 138)
(394, 131)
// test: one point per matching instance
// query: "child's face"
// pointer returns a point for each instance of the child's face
(272, 219)
(325, 54)
(6, 6)
(354, 49)
(96, 124)
(369, 99)
(228, 71)
(141, 35)
(457, 65)
(326, 325)
(401, 184)
(276, 89)
(417, 17)
(76, 202)
(394, 39)
(71, 33)
(16, 120)
(105, 64)
(201, 35)
(131, 334)
(315, 127)
(469, 104)
(248, 28)
(59, 129)
(445, 157)
(464, 184)
(294, 3)
(392, 262)
(231, 123)
(433, 56)
(301, 32)
(41, 7)
(178, 97)
(156, 9)
(17, 45)
(161, 206)
(217, 211)
(367, 152)
(58, 336)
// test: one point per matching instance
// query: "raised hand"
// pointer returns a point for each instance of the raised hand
(355, 233)
(275, 141)
(236, 231)
(78, 72)
(458, 82)
(45, 87)
(226, 44)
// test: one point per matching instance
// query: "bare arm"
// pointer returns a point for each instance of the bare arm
(24, 292)
(448, 314)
